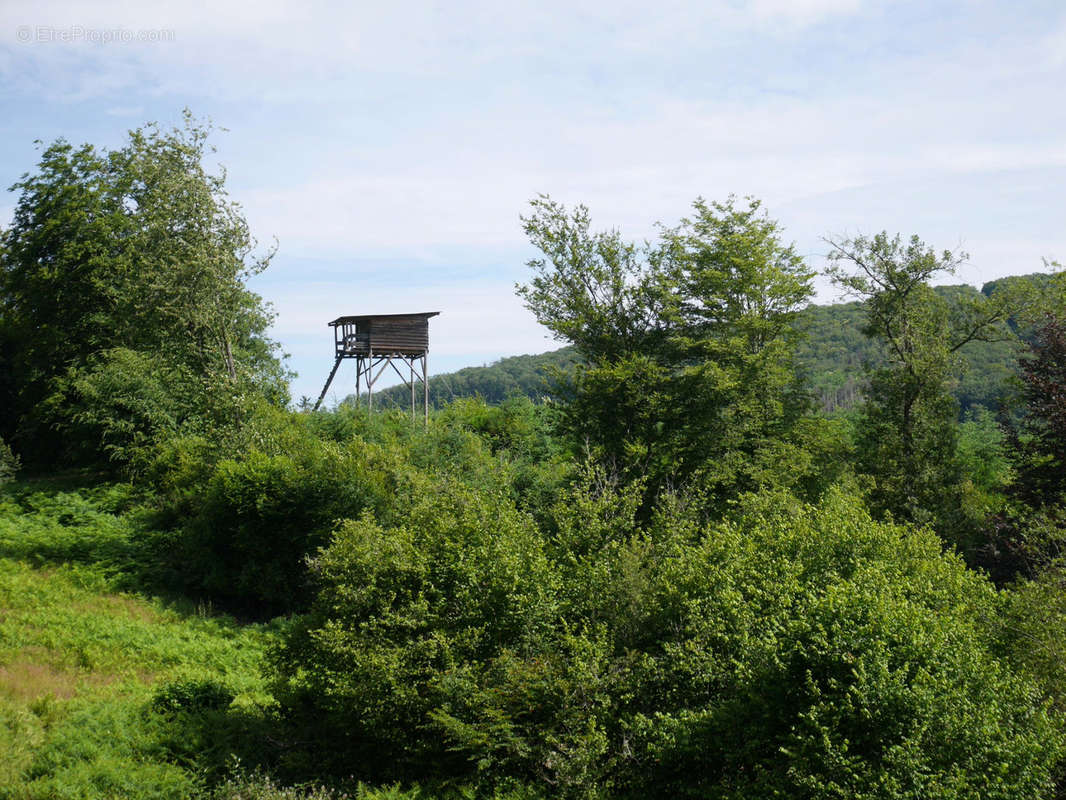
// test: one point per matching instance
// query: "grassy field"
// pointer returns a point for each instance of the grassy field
(106, 690)
(110, 686)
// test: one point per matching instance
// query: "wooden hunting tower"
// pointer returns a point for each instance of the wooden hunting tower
(378, 341)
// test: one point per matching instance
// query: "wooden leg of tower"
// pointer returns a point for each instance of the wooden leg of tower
(329, 380)
(411, 364)
(425, 390)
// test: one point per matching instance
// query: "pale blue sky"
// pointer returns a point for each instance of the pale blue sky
(392, 147)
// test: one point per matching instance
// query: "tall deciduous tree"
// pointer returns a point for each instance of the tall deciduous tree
(135, 250)
(908, 430)
(688, 342)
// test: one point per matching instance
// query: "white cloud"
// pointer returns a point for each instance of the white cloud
(805, 12)
(278, 47)
(630, 172)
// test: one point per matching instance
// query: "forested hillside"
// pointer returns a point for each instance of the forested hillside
(678, 578)
(832, 357)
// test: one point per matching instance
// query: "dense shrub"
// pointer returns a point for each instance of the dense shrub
(9, 463)
(121, 404)
(1031, 627)
(249, 522)
(262, 515)
(191, 696)
(462, 578)
(797, 651)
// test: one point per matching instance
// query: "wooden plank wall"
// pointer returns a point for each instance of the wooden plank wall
(399, 334)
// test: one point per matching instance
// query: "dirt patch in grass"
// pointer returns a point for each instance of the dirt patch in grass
(28, 679)
(119, 605)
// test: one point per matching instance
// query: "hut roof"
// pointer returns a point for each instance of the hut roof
(367, 317)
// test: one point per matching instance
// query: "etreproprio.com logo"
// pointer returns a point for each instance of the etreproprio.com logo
(71, 34)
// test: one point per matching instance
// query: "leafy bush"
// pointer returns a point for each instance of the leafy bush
(120, 404)
(191, 696)
(799, 651)
(459, 579)
(249, 522)
(9, 463)
(262, 515)
(259, 786)
(262, 787)
(516, 425)
(1031, 627)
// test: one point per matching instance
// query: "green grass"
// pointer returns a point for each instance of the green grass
(84, 652)
(111, 687)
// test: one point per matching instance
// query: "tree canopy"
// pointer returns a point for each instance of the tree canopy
(687, 342)
(131, 260)
(908, 439)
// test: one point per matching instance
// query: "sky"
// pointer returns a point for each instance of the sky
(390, 149)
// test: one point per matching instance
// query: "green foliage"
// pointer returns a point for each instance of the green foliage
(831, 356)
(1019, 541)
(192, 696)
(516, 425)
(99, 750)
(623, 658)
(261, 515)
(80, 654)
(462, 576)
(259, 786)
(687, 343)
(982, 452)
(1041, 453)
(587, 649)
(263, 787)
(243, 526)
(1031, 627)
(908, 440)
(9, 463)
(517, 376)
(594, 290)
(1028, 533)
(122, 403)
(476, 612)
(43, 526)
(124, 272)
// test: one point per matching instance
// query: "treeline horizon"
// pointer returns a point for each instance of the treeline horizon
(833, 357)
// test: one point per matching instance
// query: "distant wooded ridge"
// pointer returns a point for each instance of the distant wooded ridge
(831, 360)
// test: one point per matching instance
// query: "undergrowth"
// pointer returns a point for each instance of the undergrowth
(88, 659)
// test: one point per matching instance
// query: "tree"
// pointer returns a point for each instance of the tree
(687, 343)
(1041, 453)
(137, 250)
(594, 290)
(1028, 536)
(908, 430)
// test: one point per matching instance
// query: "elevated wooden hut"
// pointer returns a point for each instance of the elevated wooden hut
(378, 341)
